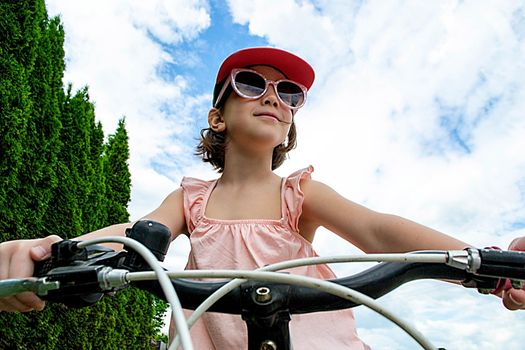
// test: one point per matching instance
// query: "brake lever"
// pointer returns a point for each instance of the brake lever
(67, 253)
(80, 272)
(84, 274)
(40, 286)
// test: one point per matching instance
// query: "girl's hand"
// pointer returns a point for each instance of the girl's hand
(17, 261)
(514, 299)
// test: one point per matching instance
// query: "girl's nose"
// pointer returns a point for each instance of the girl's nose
(270, 97)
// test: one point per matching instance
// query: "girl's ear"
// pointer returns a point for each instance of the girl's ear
(215, 120)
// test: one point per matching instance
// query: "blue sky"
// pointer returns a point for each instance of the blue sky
(208, 50)
(417, 110)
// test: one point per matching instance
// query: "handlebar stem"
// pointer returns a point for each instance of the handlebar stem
(267, 315)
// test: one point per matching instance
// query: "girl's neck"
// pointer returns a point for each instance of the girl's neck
(246, 168)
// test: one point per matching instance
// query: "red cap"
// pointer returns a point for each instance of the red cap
(294, 67)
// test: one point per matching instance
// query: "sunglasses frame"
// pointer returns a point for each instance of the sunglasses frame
(235, 71)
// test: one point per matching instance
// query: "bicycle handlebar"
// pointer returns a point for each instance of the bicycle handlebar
(81, 274)
(374, 282)
(83, 281)
(78, 276)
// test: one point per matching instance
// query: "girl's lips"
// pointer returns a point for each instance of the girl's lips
(267, 116)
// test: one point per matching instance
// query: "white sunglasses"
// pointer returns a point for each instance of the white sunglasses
(252, 85)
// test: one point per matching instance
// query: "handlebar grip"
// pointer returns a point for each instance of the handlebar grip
(63, 253)
(43, 267)
(501, 263)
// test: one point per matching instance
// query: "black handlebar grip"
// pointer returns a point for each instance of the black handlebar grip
(62, 253)
(501, 263)
(43, 267)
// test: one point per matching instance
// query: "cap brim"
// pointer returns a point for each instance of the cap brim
(294, 67)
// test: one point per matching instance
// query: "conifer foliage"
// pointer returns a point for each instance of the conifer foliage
(58, 176)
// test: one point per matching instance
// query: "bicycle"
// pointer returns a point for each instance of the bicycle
(79, 273)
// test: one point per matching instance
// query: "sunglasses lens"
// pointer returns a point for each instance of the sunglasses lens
(290, 93)
(250, 84)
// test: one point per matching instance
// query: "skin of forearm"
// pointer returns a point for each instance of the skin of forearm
(113, 230)
(397, 234)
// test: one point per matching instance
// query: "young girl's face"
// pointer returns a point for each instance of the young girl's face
(263, 122)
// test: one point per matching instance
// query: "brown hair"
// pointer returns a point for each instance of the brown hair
(212, 148)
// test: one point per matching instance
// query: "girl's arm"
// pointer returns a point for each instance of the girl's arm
(170, 213)
(374, 232)
(17, 257)
(368, 230)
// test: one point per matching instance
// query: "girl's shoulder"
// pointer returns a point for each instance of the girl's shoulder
(193, 181)
(296, 178)
(318, 197)
(305, 185)
(195, 185)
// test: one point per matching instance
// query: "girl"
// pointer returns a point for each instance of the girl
(250, 217)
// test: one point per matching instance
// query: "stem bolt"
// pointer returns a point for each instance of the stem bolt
(263, 295)
(268, 345)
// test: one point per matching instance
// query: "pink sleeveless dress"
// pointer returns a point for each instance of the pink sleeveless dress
(248, 245)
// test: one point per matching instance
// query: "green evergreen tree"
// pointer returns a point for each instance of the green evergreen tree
(14, 112)
(64, 215)
(17, 31)
(96, 217)
(118, 178)
(33, 46)
(43, 128)
(58, 177)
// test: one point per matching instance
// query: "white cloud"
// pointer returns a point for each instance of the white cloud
(390, 76)
(382, 101)
(298, 26)
(448, 316)
(115, 49)
(172, 21)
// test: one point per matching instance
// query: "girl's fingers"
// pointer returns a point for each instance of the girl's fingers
(43, 249)
(30, 300)
(11, 304)
(21, 266)
(514, 299)
(4, 261)
(517, 244)
(16, 261)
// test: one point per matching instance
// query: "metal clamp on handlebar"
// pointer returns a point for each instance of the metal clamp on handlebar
(470, 260)
(487, 266)
(467, 259)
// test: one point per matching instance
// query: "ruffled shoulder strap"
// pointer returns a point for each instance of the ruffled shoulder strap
(293, 196)
(195, 192)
